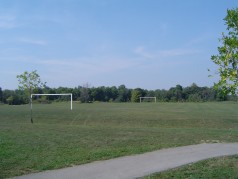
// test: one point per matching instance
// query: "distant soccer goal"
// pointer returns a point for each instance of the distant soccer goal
(66, 94)
(147, 98)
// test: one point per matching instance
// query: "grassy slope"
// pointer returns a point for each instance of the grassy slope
(219, 168)
(60, 137)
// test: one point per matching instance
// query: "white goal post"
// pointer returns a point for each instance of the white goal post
(65, 94)
(147, 98)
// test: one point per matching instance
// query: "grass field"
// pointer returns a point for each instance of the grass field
(60, 137)
(219, 168)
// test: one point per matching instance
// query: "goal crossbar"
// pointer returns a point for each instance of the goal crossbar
(147, 98)
(64, 94)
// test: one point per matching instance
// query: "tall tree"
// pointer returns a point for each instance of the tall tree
(227, 60)
(84, 93)
(1, 100)
(123, 94)
(135, 96)
(29, 81)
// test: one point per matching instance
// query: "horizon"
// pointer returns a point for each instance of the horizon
(149, 45)
(116, 87)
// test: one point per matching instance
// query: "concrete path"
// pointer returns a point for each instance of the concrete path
(139, 165)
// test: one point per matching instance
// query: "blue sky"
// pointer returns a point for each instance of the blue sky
(151, 44)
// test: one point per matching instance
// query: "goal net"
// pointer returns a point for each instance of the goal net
(147, 99)
(66, 94)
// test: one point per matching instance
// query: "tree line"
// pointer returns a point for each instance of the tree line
(86, 94)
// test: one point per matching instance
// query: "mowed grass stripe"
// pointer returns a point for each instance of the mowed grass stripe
(60, 137)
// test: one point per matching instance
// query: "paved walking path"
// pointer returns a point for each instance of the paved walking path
(139, 165)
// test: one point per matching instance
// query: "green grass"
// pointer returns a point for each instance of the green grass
(219, 168)
(60, 137)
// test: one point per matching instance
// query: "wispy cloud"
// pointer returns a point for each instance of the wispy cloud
(8, 22)
(52, 62)
(141, 51)
(87, 65)
(79, 70)
(33, 41)
(176, 52)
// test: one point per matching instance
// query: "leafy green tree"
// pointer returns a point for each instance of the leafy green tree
(114, 93)
(10, 100)
(123, 94)
(98, 94)
(161, 95)
(227, 60)
(194, 97)
(76, 93)
(84, 93)
(6, 93)
(108, 94)
(179, 93)
(1, 94)
(135, 96)
(29, 81)
(48, 90)
(175, 94)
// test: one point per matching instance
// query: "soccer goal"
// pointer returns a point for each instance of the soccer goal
(141, 98)
(66, 94)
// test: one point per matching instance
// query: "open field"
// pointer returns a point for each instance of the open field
(219, 168)
(60, 137)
